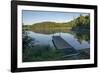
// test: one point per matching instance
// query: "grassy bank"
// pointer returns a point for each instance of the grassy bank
(41, 53)
(46, 53)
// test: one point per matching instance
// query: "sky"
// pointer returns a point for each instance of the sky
(30, 17)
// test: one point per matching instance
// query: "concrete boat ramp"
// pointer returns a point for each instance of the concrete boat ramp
(64, 46)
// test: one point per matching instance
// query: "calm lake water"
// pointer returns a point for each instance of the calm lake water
(78, 42)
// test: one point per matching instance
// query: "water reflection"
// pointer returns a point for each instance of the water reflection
(77, 40)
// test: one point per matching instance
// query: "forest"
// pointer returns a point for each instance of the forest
(79, 23)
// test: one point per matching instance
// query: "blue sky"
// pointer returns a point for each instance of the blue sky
(30, 17)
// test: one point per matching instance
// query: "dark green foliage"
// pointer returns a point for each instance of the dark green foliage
(83, 21)
(46, 53)
(41, 53)
(27, 42)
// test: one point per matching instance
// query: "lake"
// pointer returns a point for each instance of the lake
(76, 40)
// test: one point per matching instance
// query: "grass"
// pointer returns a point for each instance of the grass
(41, 53)
(46, 53)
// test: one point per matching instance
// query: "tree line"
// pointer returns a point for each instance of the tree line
(81, 21)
